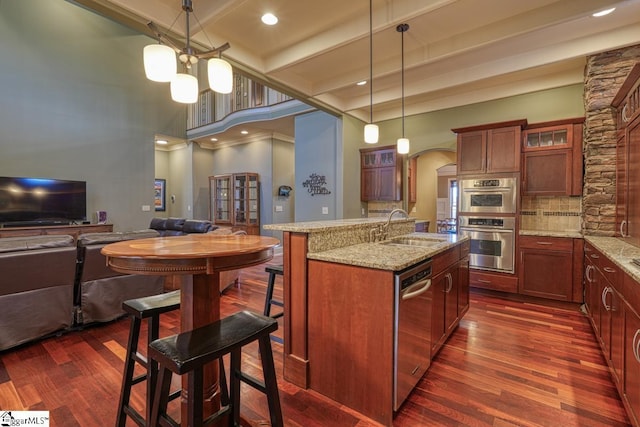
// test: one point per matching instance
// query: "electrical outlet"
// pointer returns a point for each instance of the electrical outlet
(278, 208)
(325, 210)
(146, 208)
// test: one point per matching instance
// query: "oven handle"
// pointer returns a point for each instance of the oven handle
(409, 292)
(488, 189)
(486, 230)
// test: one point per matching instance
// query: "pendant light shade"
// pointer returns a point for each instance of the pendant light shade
(184, 88)
(159, 63)
(220, 75)
(403, 143)
(403, 146)
(371, 133)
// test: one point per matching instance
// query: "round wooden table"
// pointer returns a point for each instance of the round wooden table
(202, 257)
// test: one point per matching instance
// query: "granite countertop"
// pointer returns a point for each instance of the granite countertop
(574, 234)
(618, 251)
(385, 256)
(321, 226)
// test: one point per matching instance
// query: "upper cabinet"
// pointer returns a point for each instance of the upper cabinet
(491, 148)
(380, 174)
(627, 105)
(552, 158)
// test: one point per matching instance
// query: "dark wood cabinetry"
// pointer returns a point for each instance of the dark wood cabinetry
(412, 169)
(627, 106)
(380, 174)
(491, 148)
(547, 268)
(71, 230)
(612, 304)
(552, 158)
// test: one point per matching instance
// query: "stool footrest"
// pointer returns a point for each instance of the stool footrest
(252, 381)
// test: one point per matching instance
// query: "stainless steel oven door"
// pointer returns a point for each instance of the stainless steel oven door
(490, 249)
(488, 195)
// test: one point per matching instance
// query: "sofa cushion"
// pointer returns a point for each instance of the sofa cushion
(197, 226)
(89, 239)
(158, 224)
(175, 224)
(13, 244)
(140, 234)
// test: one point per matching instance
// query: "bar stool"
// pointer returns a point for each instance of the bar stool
(149, 308)
(188, 352)
(273, 270)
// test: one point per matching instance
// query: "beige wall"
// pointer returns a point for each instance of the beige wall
(427, 184)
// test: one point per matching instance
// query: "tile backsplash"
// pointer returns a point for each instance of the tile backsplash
(551, 213)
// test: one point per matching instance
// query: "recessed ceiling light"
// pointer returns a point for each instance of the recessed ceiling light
(362, 83)
(161, 142)
(269, 19)
(603, 12)
(244, 132)
(214, 139)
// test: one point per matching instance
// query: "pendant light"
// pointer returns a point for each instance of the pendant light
(403, 143)
(371, 130)
(160, 64)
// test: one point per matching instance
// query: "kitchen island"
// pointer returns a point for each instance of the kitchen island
(343, 328)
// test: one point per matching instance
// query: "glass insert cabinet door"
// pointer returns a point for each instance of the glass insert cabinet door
(235, 201)
(221, 192)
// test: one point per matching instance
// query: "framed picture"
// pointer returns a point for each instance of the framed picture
(159, 200)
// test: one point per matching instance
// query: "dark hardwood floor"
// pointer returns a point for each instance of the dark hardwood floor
(508, 364)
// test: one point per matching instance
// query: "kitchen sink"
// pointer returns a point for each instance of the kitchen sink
(410, 241)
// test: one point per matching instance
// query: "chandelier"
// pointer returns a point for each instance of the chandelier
(160, 64)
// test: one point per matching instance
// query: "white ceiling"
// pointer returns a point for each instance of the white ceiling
(457, 52)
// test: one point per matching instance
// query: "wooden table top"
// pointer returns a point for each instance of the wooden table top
(192, 253)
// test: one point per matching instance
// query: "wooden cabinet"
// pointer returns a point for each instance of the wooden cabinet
(71, 230)
(235, 201)
(450, 285)
(627, 107)
(546, 268)
(552, 158)
(412, 170)
(491, 148)
(380, 174)
(630, 391)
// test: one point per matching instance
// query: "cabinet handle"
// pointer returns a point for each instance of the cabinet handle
(624, 113)
(635, 345)
(544, 243)
(596, 256)
(605, 291)
(587, 271)
(623, 225)
(449, 282)
(484, 281)
(609, 270)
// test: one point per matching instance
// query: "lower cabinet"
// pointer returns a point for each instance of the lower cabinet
(631, 379)
(612, 306)
(547, 268)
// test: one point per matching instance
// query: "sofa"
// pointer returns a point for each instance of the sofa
(99, 290)
(36, 287)
(180, 226)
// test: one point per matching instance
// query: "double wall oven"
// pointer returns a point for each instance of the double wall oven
(487, 216)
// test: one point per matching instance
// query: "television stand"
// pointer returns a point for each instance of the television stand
(72, 230)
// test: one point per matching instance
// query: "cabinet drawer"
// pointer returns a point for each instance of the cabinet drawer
(445, 259)
(608, 269)
(496, 282)
(552, 243)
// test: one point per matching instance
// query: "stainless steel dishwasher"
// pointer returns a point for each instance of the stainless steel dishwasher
(412, 337)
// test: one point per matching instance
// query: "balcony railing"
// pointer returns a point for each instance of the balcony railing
(213, 107)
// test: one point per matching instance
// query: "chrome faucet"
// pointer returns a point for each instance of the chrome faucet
(381, 231)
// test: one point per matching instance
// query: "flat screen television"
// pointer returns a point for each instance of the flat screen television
(40, 201)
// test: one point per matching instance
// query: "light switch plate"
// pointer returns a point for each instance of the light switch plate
(325, 210)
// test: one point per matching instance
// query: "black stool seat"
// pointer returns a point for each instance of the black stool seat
(189, 351)
(150, 308)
